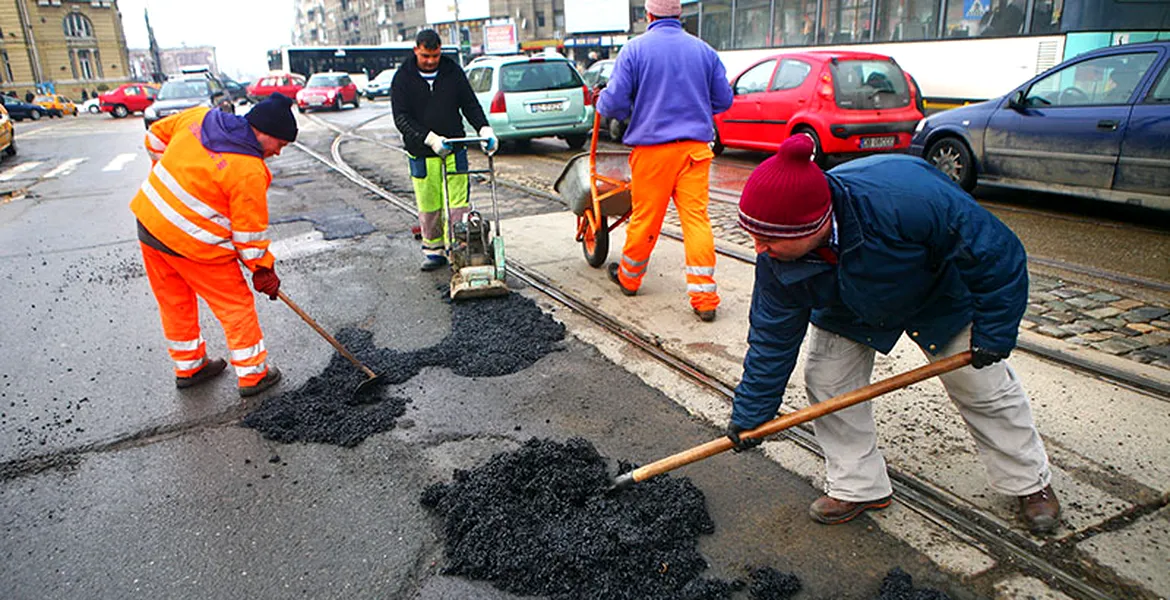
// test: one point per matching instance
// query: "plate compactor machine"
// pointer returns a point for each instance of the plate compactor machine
(476, 255)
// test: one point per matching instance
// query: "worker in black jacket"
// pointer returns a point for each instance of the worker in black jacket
(427, 94)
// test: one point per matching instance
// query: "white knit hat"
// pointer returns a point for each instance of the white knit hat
(664, 8)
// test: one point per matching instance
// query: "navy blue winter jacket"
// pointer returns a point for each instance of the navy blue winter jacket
(916, 254)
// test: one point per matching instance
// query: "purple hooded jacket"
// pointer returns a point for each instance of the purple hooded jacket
(225, 132)
(668, 83)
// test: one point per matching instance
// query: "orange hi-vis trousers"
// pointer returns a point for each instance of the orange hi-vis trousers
(678, 169)
(175, 281)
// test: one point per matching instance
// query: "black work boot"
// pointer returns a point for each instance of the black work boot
(613, 276)
(432, 262)
(705, 316)
(832, 511)
(209, 371)
(1040, 511)
(271, 378)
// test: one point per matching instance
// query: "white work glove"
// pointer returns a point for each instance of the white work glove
(492, 144)
(437, 143)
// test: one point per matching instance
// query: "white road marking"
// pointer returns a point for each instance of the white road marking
(119, 162)
(18, 169)
(64, 168)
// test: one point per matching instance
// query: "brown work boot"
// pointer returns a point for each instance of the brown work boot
(705, 316)
(271, 378)
(1040, 511)
(832, 511)
(613, 276)
(207, 373)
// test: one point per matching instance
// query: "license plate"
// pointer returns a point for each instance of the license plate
(316, 101)
(885, 141)
(545, 107)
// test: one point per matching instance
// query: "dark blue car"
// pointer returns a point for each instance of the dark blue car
(20, 110)
(1096, 126)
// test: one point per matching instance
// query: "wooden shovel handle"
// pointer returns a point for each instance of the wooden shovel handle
(325, 334)
(836, 403)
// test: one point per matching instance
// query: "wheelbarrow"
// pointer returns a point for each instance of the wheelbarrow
(596, 186)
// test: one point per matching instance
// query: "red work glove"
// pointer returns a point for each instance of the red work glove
(265, 281)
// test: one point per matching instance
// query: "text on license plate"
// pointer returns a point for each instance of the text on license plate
(885, 141)
(544, 107)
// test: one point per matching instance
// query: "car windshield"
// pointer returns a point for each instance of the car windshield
(384, 76)
(539, 75)
(43, 99)
(177, 90)
(869, 85)
(324, 81)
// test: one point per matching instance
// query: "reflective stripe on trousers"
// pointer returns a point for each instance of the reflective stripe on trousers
(428, 197)
(175, 282)
(658, 173)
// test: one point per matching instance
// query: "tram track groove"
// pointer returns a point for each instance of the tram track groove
(1058, 562)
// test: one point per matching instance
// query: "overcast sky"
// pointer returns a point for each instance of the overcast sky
(242, 31)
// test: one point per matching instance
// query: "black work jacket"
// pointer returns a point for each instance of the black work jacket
(419, 108)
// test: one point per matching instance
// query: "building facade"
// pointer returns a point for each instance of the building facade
(173, 60)
(64, 45)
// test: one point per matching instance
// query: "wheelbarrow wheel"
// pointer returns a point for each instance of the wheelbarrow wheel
(595, 244)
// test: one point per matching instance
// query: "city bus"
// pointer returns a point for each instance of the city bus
(365, 61)
(958, 51)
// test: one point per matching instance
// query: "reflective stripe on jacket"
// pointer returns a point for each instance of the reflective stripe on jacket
(207, 206)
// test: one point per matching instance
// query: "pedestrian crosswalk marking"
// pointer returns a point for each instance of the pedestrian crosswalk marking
(64, 168)
(18, 169)
(118, 162)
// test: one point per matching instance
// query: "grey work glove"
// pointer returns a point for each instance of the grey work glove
(733, 432)
(982, 357)
(437, 143)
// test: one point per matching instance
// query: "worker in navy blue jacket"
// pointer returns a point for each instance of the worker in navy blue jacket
(871, 249)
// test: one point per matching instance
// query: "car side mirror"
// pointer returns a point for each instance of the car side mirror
(1018, 101)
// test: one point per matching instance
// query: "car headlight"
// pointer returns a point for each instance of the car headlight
(150, 112)
(920, 126)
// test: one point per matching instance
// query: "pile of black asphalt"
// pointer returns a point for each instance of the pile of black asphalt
(542, 521)
(489, 337)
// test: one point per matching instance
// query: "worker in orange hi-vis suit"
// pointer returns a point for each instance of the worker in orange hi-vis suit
(202, 211)
(668, 83)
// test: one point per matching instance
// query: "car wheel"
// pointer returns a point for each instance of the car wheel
(120, 112)
(717, 144)
(818, 157)
(576, 142)
(94, 109)
(301, 109)
(34, 115)
(337, 103)
(11, 149)
(357, 100)
(616, 130)
(952, 157)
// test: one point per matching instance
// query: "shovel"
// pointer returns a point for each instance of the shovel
(367, 387)
(791, 419)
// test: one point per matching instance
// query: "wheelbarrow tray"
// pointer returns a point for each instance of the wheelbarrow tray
(574, 183)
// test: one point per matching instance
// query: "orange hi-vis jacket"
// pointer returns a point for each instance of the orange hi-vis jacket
(207, 206)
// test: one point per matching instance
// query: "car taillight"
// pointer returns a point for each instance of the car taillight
(826, 89)
(499, 105)
(588, 95)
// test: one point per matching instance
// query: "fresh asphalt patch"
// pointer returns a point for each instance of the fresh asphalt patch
(489, 337)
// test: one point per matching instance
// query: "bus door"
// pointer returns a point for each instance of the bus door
(1145, 155)
(1066, 127)
(742, 121)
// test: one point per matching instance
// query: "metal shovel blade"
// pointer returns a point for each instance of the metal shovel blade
(367, 391)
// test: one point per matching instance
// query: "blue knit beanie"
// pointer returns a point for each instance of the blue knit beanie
(274, 116)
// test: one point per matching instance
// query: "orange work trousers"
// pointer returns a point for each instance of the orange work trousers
(176, 281)
(679, 170)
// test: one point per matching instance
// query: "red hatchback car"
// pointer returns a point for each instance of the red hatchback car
(128, 98)
(328, 90)
(285, 83)
(851, 103)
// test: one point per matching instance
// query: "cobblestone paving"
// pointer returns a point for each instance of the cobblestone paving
(1075, 313)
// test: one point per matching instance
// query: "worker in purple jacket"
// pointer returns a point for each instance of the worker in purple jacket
(668, 84)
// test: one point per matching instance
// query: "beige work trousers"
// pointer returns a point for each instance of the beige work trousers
(991, 401)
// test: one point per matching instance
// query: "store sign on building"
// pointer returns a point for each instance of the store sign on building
(500, 38)
(594, 16)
